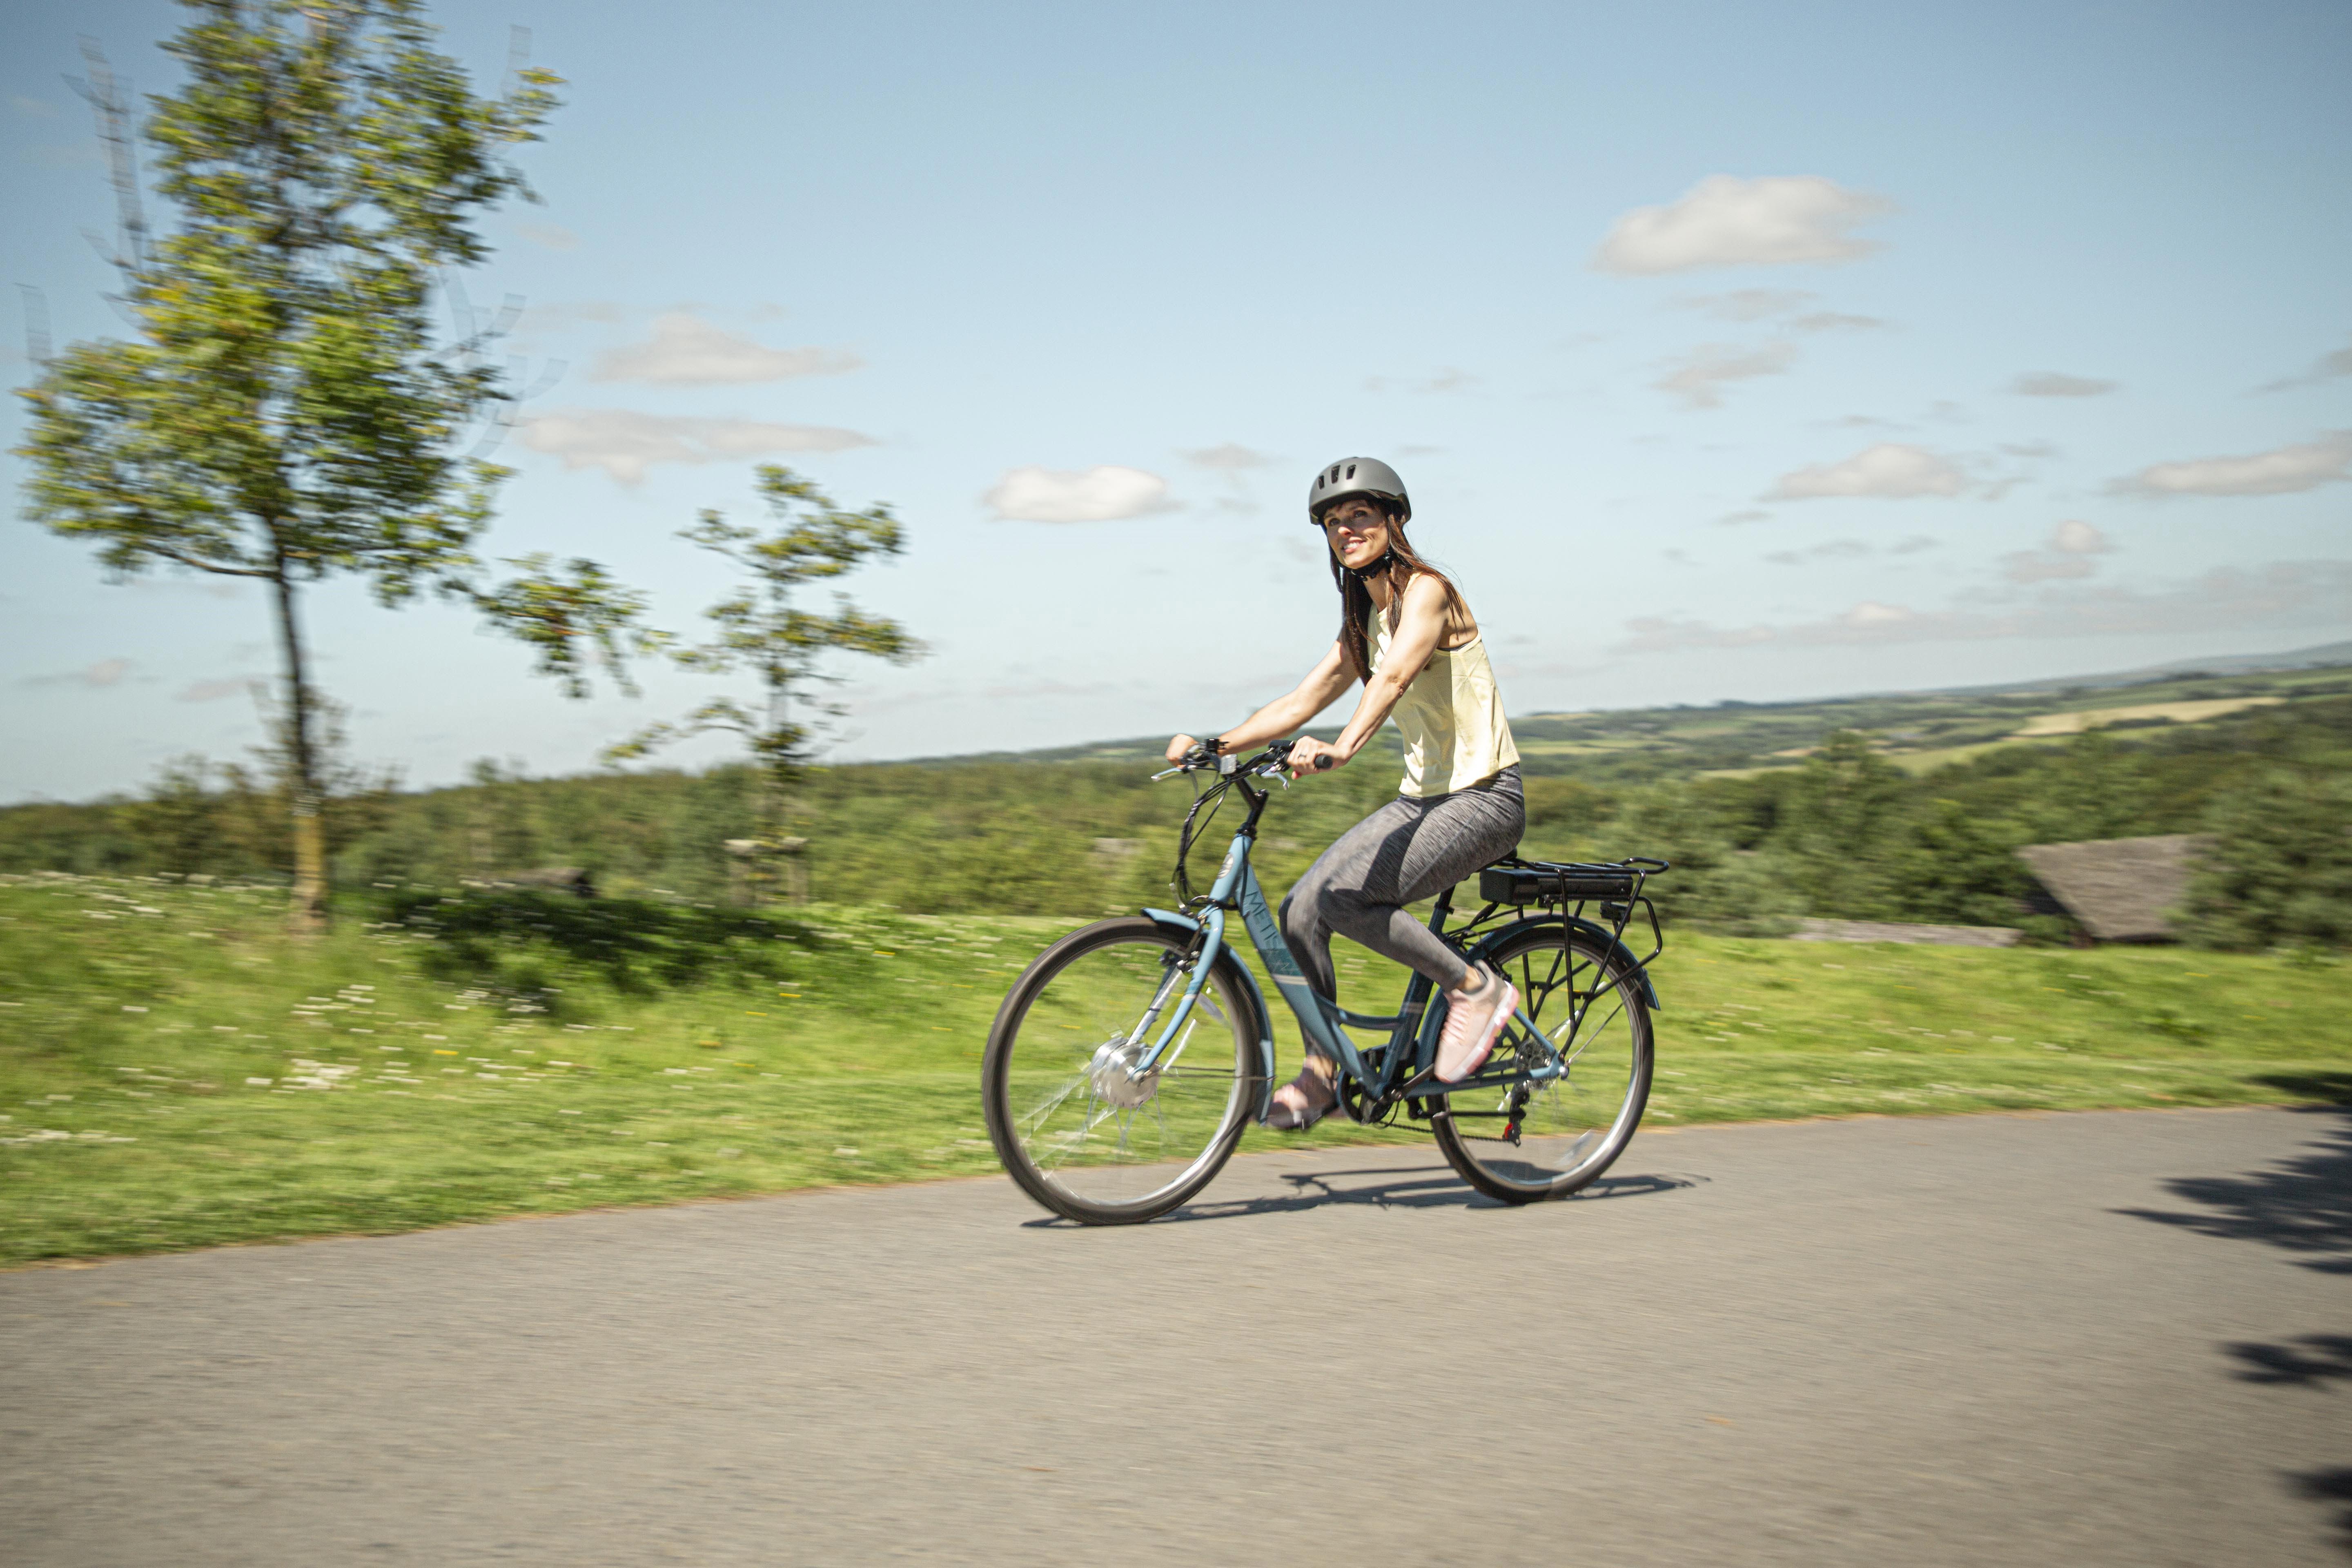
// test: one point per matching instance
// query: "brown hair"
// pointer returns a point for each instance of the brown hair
(1400, 565)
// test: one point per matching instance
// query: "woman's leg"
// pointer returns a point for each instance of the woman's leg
(1307, 933)
(1363, 895)
(1305, 926)
(1402, 853)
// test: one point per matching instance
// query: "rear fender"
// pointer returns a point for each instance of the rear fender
(1260, 1023)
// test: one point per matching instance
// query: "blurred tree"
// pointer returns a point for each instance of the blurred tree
(202, 816)
(176, 821)
(1958, 867)
(2096, 789)
(2278, 871)
(762, 630)
(1838, 822)
(285, 411)
(1714, 884)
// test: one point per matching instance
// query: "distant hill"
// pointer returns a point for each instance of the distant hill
(2326, 655)
(1918, 729)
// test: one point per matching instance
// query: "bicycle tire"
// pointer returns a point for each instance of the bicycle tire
(1029, 1075)
(1562, 1144)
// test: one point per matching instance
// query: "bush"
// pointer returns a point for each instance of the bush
(1958, 868)
(2279, 869)
(1713, 886)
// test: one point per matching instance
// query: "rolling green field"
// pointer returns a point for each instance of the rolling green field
(177, 1072)
(1918, 730)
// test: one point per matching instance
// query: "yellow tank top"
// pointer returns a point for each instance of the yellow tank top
(1451, 716)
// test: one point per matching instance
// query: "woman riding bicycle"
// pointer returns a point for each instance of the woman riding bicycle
(1405, 633)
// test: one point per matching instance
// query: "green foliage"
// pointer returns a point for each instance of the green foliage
(285, 411)
(1714, 884)
(1838, 822)
(2278, 873)
(764, 630)
(2093, 789)
(1957, 867)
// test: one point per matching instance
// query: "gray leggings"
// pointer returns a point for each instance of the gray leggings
(1407, 851)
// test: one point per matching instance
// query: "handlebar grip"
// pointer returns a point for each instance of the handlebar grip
(1323, 763)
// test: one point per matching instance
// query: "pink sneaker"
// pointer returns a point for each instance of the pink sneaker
(1472, 1023)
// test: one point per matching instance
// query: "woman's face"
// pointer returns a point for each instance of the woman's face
(1357, 531)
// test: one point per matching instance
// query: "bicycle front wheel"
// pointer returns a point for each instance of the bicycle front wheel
(1530, 1142)
(1077, 1127)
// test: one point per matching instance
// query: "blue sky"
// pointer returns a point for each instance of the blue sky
(1730, 352)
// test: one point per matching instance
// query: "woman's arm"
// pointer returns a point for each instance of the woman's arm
(1322, 686)
(1420, 625)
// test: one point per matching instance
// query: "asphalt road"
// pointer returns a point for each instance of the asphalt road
(2091, 1339)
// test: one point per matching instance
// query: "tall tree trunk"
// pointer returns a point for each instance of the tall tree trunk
(306, 915)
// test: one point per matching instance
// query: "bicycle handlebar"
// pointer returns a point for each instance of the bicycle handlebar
(1265, 764)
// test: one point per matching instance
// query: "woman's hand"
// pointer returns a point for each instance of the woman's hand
(1178, 747)
(1309, 755)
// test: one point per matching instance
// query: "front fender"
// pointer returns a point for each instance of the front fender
(1245, 985)
(1601, 935)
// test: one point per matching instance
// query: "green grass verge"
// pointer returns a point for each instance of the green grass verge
(174, 1072)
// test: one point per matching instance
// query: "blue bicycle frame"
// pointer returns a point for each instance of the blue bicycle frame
(1401, 1068)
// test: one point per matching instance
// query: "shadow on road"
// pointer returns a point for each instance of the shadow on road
(2302, 1203)
(2314, 1361)
(2330, 1486)
(1424, 1188)
(1421, 1187)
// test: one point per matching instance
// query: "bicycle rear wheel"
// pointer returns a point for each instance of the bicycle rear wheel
(1074, 1130)
(1532, 1141)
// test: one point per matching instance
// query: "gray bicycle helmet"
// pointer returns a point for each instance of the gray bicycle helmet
(1355, 476)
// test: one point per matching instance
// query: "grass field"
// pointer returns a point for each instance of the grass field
(174, 1072)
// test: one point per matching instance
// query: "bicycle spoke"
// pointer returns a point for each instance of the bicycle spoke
(1567, 1126)
(1100, 1128)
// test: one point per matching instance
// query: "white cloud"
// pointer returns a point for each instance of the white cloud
(2055, 384)
(2327, 367)
(105, 672)
(1835, 322)
(1832, 549)
(1444, 379)
(1725, 221)
(686, 351)
(214, 690)
(1101, 494)
(1749, 515)
(2282, 471)
(1747, 304)
(1761, 304)
(1229, 457)
(1699, 382)
(2067, 555)
(625, 444)
(1890, 469)
(2075, 537)
(554, 237)
(2284, 594)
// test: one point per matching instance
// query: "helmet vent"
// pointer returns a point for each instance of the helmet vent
(1351, 470)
